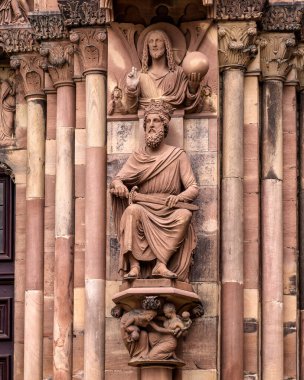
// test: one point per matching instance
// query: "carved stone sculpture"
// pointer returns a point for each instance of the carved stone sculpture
(155, 228)
(116, 105)
(152, 336)
(13, 12)
(7, 111)
(161, 77)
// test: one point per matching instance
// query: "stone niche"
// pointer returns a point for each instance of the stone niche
(193, 302)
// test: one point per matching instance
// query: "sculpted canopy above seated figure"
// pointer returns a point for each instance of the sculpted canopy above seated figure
(154, 228)
(161, 77)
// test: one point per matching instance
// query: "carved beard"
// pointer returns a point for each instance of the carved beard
(153, 140)
(157, 53)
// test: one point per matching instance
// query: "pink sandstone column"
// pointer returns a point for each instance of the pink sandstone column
(233, 63)
(300, 67)
(59, 64)
(153, 373)
(290, 226)
(32, 75)
(95, 198)
(275, 48)
(251, 221)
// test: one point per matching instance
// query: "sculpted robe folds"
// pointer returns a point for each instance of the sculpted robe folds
(171, 88)
(153, 231)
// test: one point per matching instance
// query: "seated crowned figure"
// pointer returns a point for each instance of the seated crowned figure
(152, 209)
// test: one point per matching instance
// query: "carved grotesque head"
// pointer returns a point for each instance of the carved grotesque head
(157, 44)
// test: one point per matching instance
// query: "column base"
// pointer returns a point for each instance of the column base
(156, 372)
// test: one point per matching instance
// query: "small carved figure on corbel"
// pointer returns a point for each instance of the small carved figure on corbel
(148, 341)
(152, 199)
(13, 12)
(116, 105)
(7, 111)
(207, 99)
(160, 76)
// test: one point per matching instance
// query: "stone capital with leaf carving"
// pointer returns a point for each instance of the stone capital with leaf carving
(59, 62)
(91, 46)
(236, 44)
(276, 51)
(30, 67)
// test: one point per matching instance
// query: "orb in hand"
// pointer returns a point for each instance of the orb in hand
(196, 62)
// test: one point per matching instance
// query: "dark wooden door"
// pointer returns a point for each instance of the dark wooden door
(6, 276)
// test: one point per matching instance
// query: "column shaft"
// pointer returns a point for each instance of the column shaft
(33, 319)
(232, 225)
(272, 232)
(251, 225)
(95, 223)
(290, 229)
(159, 373)
(64, 233)
(301, 245)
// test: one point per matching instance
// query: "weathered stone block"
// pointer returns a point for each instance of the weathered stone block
(205, 259)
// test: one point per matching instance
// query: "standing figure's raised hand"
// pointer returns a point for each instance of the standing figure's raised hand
(133, 79)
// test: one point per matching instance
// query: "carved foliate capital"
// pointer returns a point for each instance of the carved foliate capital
(298, 62)
(237, 43)
(239, 10)
(282, 18)
(91, 45)
(31, 71)
(59, 61)
(83, 12)
(17, 40)
(48, 25)
(276, 50)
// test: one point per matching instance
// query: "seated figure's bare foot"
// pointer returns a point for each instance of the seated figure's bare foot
(133, 274)
(160, 270)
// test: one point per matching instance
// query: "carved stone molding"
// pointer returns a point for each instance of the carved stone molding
(237, 43)
(48, 25)
(83, 12)
(239, 10)
(30, 69)
(59, 62)
(91, 46)
(17, 40)
(276, 50)
(298, 62)
(282, 18)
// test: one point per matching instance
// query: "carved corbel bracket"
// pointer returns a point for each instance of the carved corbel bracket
(239, 10)
(17, 40)
(91, 46)
(59, 62)
(282, 18)
(236, 44)
(30, 69)
(153, 318)
(84, 12)
(276, 51)
(48, 25)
